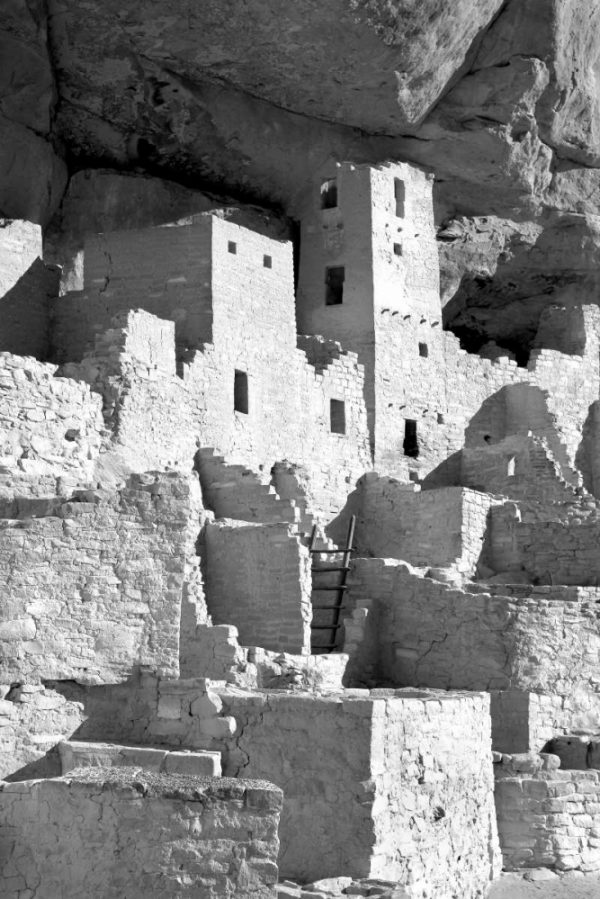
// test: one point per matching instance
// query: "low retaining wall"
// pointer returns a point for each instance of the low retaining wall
(547, 818)
(174, 835)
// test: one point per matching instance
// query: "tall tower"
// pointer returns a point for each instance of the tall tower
(369, 273)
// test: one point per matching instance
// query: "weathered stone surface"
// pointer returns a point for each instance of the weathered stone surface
(173, 835)
(95, 590)
(378, 66)
(548, 819)
(32, 175)
(346, 787)
(31, 726)
(497, 275)
(75, 754)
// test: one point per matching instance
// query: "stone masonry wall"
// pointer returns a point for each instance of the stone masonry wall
(543, 640)
(443, 527)
(554, 552)
(51, 429)
(372, 780)
(548, 818)
(519, 467)
(374, 783)
(154, 418)
(95, 590)
(289, 412)
(174, 836)
(33, 720)
(253, 332)
(258, 579)
(163, 270)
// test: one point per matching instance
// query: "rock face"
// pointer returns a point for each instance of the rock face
(377, 66)
(497, 274)
(32, 176)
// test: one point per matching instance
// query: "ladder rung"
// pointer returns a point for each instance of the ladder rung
(330, 552)
(334, 608)
(339, 587)
(325, 627)
(332, 568)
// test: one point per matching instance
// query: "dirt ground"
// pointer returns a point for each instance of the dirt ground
(513, 886)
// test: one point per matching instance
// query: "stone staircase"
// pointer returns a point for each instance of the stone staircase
(234, 491)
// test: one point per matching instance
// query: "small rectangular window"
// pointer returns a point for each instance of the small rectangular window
(423, 350)
(399, 197)
(267, 262)
(329, 194)
(334, 285)
(440, 419)
(411, 442)
(240, 391)
(397, 249)
(232, 246)
(337, 416)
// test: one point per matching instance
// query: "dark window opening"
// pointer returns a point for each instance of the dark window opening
(240, 392)
(397, 249)
(267, 262)
(423, 350)
(440, 419)
(329, 194)
(399, 196)
(337, 416)
(411, 442)
(334, 285)
(232, 246)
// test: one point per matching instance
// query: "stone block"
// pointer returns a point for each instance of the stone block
(193, 764)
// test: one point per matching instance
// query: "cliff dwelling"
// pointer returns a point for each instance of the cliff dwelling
(299, 451)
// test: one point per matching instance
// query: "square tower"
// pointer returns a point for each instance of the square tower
(368, 264)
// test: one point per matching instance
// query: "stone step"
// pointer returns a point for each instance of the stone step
(200, 763)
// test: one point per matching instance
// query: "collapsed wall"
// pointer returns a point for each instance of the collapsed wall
(51, 430)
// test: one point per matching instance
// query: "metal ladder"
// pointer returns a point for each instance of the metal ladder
(338, 589)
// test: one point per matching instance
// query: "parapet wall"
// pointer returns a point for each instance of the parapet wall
(174, 836)
(543, 640)
(441, 528)
(95, 589)
(551, 552)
